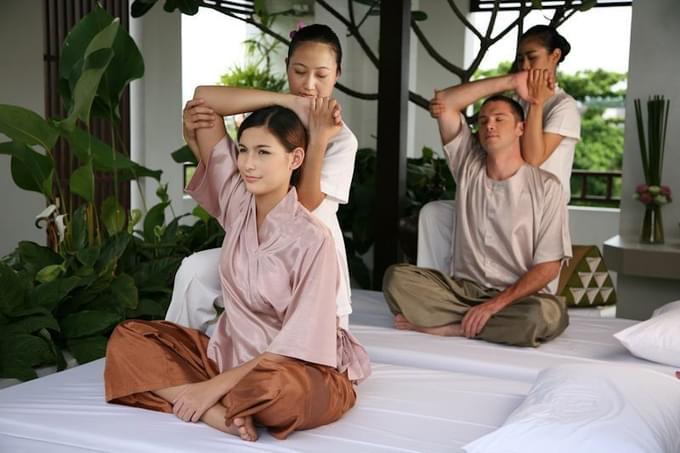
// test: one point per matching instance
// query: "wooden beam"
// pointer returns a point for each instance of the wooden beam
(392, 126)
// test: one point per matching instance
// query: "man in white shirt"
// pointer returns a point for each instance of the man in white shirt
(511, 236)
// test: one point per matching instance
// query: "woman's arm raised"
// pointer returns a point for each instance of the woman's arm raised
(323, 125)
(537, 146)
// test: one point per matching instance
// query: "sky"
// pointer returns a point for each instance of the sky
(599, 38)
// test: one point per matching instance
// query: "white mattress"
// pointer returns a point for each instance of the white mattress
(399, 409)
(588, 338)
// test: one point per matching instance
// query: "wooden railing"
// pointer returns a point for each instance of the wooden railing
(581, 194)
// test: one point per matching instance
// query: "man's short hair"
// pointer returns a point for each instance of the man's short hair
(516, 108)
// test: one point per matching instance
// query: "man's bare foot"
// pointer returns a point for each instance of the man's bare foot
(447, 330)
(401, 323)
(246, 428)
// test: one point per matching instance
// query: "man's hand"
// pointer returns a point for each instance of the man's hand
(437, 106)
(195, 399)
(476, 317)
(520, 85)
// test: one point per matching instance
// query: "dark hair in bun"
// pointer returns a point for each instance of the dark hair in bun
(316, 33)
(549, 38)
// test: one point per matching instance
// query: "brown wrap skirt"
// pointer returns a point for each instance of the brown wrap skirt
(284, 396)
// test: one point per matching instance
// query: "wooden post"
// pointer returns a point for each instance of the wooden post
(395, 18)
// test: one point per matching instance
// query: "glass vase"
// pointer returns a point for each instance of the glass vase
(652, 225)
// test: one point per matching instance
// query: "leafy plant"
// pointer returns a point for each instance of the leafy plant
(427, 178)
(102, 269)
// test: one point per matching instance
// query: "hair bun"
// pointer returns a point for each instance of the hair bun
(564, 46)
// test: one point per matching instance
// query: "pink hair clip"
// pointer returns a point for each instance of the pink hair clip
(299, 25)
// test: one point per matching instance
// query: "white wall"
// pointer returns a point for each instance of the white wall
(21, 83)
(447, 35)
(592, 226)
(156, 107)
(654, 69)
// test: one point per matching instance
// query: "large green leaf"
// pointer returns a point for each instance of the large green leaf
(82, 182)
(147, 308)
(78, 229)
(97, 57)
(112, 249)
(19, 353)
(126, 64)
(13, 289)
(83, 145)
(141, 7)
(30, 169)
(84, 80)
(34, 257)
(77, 41)
(49, 294)
(113, 215)
(88, 349)
(154, 218)
(184, 155)
(49, 273)
(38, 318)
(27, 127)
(124, 290)
(88, 322)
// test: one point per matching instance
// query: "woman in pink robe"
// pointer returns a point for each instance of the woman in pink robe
(277, 357)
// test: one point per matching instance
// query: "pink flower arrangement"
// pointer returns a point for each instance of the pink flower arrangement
(299, 25)
(652, 195)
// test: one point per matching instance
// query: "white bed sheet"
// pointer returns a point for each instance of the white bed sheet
(399, 409)
(588, 338)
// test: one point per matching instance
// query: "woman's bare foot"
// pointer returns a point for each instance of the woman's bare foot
(447, 330)
(246, 428)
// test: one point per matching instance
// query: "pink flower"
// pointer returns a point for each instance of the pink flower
(299, 25)
(666, 190)
(646, 198)
(641, 188)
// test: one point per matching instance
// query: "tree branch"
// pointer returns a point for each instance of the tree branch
(433, 52)
(464, 20)
(418, 100)
(492, 20)
(565, 17)
(353, 31)
(507, 29)
(248, 19)
(356, 94)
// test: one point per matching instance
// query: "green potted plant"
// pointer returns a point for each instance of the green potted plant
(106, 265)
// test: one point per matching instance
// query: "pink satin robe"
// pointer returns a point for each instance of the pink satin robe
(279, 290)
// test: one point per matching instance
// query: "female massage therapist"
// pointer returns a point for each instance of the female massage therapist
(552, 129)
(276, 357)
(313, 66)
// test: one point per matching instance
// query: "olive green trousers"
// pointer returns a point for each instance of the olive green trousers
(428, 298)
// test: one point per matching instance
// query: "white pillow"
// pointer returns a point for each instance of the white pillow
(596, 407)
(670, 306)
(658, 338)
